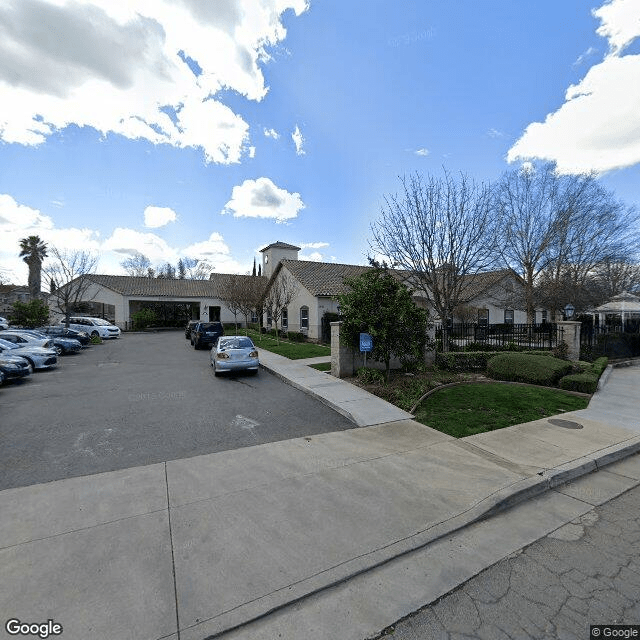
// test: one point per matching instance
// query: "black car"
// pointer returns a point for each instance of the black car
(206, 333)
(62, 332)
(190, 325)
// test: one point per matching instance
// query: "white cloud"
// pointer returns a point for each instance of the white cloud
(271, 133)
(298, 140)
(422, 152)
(583, 56)
(597, 126)
(262, 199)
(158, 216)
(313, 245)
(495, 133)
(142, 69)
(129, 242)
(216, 252)
(314, 256)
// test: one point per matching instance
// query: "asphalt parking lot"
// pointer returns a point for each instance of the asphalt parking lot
(142, 399)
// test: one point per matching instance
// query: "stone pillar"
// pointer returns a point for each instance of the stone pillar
(571, 335)
(341, 355)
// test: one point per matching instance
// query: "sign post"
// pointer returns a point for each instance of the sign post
(366, 345)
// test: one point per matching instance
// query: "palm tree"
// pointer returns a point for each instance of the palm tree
(33, 251)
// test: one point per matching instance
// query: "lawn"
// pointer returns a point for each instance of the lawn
(468, 409)
(292, 350)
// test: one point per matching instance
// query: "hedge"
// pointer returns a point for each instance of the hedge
(532, 369)
(464, 360)
(584, 382)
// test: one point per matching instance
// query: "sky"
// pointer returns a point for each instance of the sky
(210, 128)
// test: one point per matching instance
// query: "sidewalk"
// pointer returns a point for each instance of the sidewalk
(207, 544)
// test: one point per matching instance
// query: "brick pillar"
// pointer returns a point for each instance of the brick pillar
(571, 335)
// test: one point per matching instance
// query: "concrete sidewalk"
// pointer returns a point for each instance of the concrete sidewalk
(192, 548)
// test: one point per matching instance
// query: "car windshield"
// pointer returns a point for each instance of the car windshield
(101, 322)
(235, 343)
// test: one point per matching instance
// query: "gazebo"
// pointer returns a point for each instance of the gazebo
(625, 305)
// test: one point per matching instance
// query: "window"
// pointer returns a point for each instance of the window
(285, 318)
(544, 316)
(214, 314)
(254, 317)
(483, 317)
(304, 318)
(508, 316)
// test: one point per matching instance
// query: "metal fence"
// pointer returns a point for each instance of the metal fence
(487, 337)
(613, 341)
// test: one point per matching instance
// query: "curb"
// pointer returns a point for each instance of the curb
(491, 505)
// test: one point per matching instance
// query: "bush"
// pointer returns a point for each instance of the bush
(464, 360)
(367, 375)
(533, 369)
(144, 318)
(599, 366)
(586, 382)
(561, 351)
(95, 340)
(296, 336)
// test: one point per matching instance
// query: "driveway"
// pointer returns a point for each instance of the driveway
(142, 399)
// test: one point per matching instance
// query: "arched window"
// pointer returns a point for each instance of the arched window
(304, 318)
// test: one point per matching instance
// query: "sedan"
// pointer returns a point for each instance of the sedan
(24, 337)
(234, 353)
(38, 357)
(13, 367)
(57, 331)
(62, 345)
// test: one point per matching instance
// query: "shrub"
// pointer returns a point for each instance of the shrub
(464, 360)
(144, 318)
(296, 336)
(533, 369)
(599, 366)
(561, 350)
(367, 375)
(586, 382)
(96, 340)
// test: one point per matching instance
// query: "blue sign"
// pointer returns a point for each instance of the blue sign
(366, 342)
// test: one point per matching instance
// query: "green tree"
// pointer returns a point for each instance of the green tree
(33, 251)
(30, 314)
(382, 306)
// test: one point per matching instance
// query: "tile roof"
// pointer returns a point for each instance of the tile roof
(166, 288)
(280, 245)
(327, 279)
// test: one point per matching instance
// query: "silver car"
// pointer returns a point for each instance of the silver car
(234, 353)
(38, 357)
(24, 338)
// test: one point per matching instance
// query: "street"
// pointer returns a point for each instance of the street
(138, 400)
(585, 573)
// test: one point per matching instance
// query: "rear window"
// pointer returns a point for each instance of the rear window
(236, 343)
(210, 326)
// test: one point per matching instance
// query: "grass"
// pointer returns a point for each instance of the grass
(292, 350)
(321, 366)
(475, 408)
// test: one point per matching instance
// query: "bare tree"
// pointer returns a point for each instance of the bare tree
(441, 232)
(279, 295)
(137, 265)
(70, 273)
(556, 229)
(196, 269)
(230, 294)
(252, 294)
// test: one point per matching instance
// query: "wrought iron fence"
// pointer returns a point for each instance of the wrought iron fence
(490, 337)
(613, 341)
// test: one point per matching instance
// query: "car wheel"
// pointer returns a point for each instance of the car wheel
(59, 350)
(195, 344)
(31, 367)
(94, 334)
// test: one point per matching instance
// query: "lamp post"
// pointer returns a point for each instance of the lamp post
(568, 311)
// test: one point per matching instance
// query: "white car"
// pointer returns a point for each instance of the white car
(23, 339)
(93, 326)
(4, 323)
(38, 357)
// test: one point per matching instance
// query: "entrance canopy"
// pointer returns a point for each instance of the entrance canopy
(625, 305)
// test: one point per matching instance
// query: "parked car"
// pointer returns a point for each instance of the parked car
(62, 346)
(234, 353)
(206, 334)
(25, 336)
(12, 367)
(4, 323)
(93, 326)
(56, 330)
(190, 325)
(38, 357)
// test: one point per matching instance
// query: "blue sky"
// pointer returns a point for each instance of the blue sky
(209, 129)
